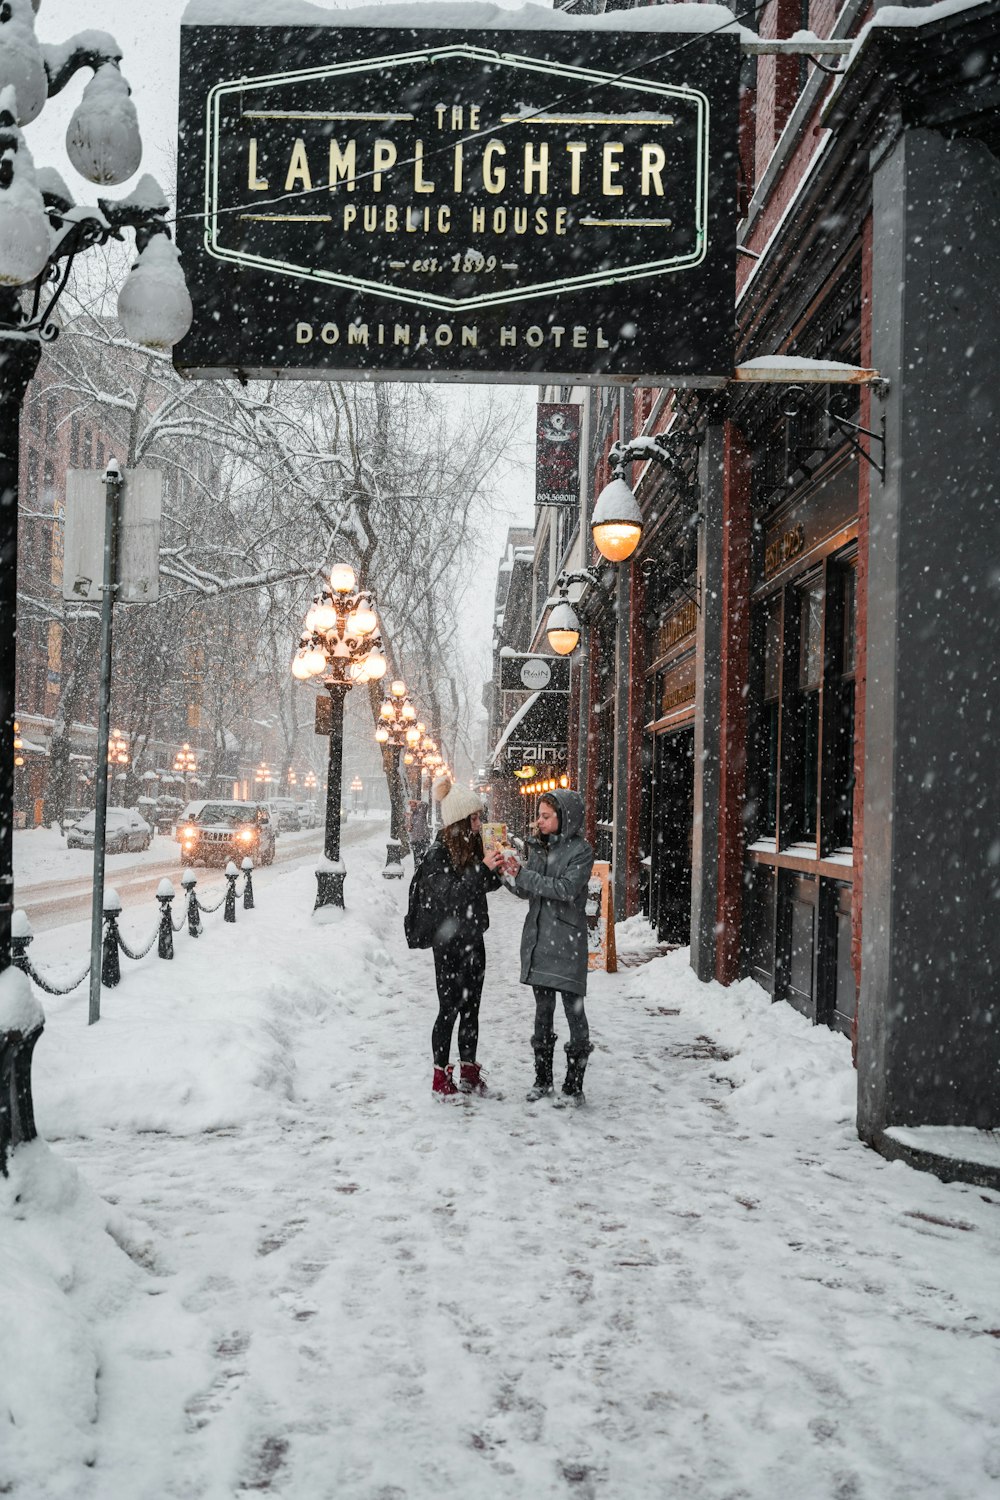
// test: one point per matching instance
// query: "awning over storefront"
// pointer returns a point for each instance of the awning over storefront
(538, 730)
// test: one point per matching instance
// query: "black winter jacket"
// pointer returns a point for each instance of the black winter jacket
(447, 906)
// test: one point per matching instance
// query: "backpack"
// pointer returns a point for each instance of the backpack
(419, 924)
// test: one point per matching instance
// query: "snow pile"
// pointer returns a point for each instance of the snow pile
(701, 1284)
(19, 1010)
(476, 16)
(69, 1263)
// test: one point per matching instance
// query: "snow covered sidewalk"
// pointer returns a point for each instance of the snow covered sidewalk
(315, 1281)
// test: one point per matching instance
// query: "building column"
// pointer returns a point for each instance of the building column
(708, 705)
(623, 698)
(929, 1029)
(734, 660)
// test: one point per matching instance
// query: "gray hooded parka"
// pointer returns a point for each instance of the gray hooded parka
(554, 883)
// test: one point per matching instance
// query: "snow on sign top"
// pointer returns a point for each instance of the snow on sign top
(398, 195)
(459, 17)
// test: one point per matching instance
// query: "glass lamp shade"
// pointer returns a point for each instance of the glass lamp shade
(102, 138)
(413, 736)
(616, 524)
(408, 711)
(382, 734)
(375, 665)
(563, 628)
(24, 228)
(398, 688)
(387, 710)
(21, 66)
(315, 661)
(362, 621)
(324, 616)
(299, 668)
(342, 579)
(154, 305)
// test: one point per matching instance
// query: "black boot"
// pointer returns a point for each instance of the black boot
(576, 1066)
(544, 1054)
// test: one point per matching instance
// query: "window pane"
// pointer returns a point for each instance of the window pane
(850, 575)
(772, 649)
(811, 637)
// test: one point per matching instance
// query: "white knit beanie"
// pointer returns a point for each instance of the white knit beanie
(455, 802)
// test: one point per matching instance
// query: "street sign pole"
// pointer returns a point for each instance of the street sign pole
(113, 483)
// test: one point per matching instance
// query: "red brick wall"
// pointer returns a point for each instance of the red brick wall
(735, 668)
(777, 78)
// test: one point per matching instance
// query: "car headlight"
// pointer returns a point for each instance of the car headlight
(247, 836)
(188, 833)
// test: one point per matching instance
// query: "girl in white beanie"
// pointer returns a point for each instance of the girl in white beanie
(448, 913)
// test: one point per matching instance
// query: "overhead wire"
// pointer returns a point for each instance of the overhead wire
(489, 130)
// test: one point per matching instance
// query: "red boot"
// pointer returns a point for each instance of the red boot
(471, 1080)
(444, 1085)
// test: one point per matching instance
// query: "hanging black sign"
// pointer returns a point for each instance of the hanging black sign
(557, 453)
(532, 674)
(420, 204)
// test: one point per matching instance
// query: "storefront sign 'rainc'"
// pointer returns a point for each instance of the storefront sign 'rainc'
(414, 204)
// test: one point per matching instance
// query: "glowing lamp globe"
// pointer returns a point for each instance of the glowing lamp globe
(382, 734)
(362, 621)
(324, 616)
(398, 688)
(616, 524)
(299, 668)
(563, 629)
(375, 665)
(342, 579)
(315, 660)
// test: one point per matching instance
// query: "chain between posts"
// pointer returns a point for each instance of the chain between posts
(162, 937)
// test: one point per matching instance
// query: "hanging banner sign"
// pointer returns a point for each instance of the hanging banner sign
(419, 203)
(557, 453)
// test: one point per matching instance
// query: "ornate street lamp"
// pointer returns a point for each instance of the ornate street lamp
(340, 643)
(42, 232)
(186, 763)
(118, 754)
(395, 731)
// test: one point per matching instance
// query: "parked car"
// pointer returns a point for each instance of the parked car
(308, 814)
(212, 833)
(285, 814)
(73, 815)
(125, 830)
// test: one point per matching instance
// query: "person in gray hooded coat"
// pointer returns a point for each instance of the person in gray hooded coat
(553, 880)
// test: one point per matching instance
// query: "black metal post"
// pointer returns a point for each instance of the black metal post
(18, 362)
(111, 969)
(165, 944)
(248, 884)
(113, 487)
(330, 881)
(232, 875)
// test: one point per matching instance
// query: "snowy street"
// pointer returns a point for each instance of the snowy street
(317, 1282)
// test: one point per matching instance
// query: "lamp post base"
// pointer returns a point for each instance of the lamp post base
(393, 861)
(330, 887)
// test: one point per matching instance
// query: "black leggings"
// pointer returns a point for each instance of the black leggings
(545, 1019)
(459, 971)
